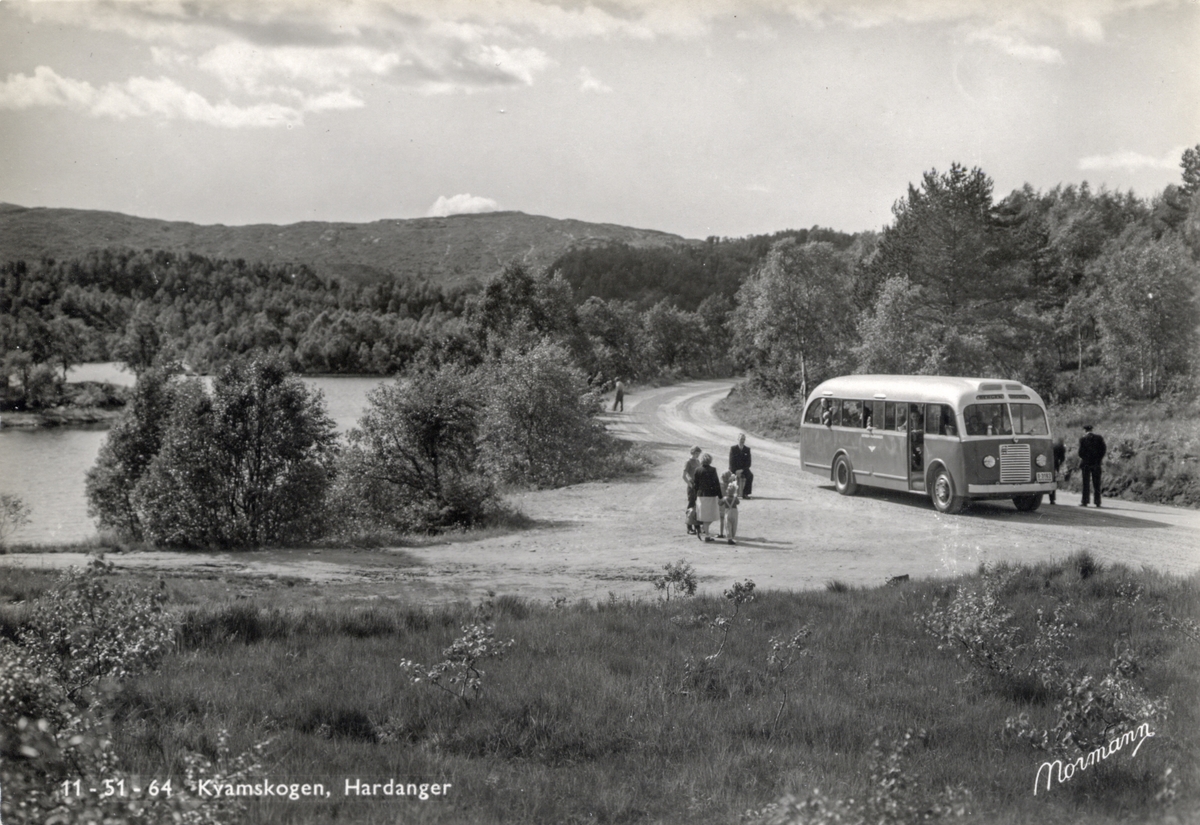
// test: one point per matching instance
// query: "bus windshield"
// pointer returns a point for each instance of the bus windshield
(988, 419)
(1029, 419)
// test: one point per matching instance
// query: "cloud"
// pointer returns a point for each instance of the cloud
(589, 83)
(1016, 47)
(141, 97)
(466, 204)
(514, 64)
(1130, 161)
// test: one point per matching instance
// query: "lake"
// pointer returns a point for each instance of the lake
(45, 466)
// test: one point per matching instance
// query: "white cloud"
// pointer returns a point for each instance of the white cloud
(249, 67)
(1128, 160)
(1016, 47)
(465, 204)
(138, 97)
(518, 64)
(589, 83)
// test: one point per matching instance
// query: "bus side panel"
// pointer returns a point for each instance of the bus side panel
(816, 449)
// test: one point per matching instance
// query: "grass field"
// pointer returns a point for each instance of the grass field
(665, 711)
(1153, 446)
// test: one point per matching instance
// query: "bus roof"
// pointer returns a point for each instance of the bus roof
(924, 388)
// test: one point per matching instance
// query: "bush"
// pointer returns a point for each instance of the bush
(14, 514)
(413, 461)
(539, 425)
(126, 453)
(246, 466)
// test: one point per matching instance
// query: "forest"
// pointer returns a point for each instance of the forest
(1081, 293)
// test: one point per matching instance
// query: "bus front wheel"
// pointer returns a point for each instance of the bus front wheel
(843, 477)
(943, 495)
(1028, 502)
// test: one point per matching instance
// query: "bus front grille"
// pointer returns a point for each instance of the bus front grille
(1014, 464)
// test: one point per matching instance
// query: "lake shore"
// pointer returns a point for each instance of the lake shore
(62, 416)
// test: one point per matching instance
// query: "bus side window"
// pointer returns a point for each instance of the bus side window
(948, 426)
(889, 415)
(813, 414)
(868, 415)
(851, 413)
(933, 419)
(917, 414)
(901, 417)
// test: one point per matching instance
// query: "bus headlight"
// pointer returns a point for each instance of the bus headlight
(989, 461)
(1041, 460)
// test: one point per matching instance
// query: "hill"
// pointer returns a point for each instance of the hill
(446, 251)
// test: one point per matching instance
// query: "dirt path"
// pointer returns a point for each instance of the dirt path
(600, 538)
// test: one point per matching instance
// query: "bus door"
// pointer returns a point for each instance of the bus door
(891, 454)
(916, 446)
(870, 452)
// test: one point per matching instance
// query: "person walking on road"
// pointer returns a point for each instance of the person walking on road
(739, 465)
(708, 492)
(619, 399)
(689, 478)
(1060, 455)
(1091, 453)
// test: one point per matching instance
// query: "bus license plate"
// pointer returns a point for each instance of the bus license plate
(1045, 477)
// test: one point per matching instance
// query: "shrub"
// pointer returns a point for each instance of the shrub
(539, 424)
(896, 797)
(413, 461)
(459, 674)
(126, 453)
(246, 466)
(84, 630)
(14, 514)
(678, 577)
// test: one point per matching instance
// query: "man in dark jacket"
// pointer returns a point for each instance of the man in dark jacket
(1091, 453)
(739, 465)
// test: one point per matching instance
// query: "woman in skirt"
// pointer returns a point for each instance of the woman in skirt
(708, 493)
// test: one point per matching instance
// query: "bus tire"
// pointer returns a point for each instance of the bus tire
(943, 493)
(1028, 502)
(843, 476)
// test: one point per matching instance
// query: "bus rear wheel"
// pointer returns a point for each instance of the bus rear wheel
(843, 476)
(943, 495)
(1028, 502)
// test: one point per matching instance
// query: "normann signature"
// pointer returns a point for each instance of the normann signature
(1081, 763)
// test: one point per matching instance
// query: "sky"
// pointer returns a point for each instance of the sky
(698, 117)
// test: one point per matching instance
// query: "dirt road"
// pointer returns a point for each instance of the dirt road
(795, 533)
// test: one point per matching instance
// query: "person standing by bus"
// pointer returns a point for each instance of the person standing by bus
(1091, 453)
(1060, 455)
(739, 465)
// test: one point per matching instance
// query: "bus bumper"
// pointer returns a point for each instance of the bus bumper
(1003, 490)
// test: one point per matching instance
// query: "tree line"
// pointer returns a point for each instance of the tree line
(1080, 293)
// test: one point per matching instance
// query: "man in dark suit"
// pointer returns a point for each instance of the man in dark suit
(1091, 453)
(739, 465)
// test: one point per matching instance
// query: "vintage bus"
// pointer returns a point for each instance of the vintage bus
(953, 439)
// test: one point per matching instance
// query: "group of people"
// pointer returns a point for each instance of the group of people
(715, 498)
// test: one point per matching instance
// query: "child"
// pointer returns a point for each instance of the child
(729, 510)
(726, 477)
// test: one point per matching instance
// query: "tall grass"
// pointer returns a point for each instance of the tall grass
(613, 712)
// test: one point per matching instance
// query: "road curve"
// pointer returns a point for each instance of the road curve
(878, 532)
